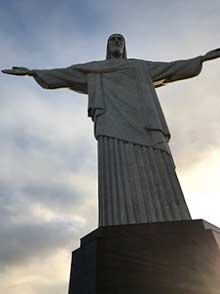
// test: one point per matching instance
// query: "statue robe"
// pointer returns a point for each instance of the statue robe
(137, 180)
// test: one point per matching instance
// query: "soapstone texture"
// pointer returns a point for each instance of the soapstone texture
(127, 115)
(137, 184)
(137, 180)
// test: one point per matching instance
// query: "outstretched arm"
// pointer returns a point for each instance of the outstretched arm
(213, 54)
(54, 78)
(163, 73)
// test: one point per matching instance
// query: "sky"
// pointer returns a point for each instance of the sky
(48, 175)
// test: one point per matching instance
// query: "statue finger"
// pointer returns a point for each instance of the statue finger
(8, 71)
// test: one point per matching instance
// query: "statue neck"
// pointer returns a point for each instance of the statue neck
(116, 55)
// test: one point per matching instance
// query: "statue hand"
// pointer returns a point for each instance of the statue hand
(18, 71)
(211, 55)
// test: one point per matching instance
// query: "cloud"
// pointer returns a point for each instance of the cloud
(22, 242)
(48, 176)
(43, 275)
(192, 109)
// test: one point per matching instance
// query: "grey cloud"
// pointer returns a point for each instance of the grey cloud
(192, 110)
(23, 237)
(55, 196)
(22, 242)
(45, 138)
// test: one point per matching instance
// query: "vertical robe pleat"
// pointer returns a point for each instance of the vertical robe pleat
(137, 184)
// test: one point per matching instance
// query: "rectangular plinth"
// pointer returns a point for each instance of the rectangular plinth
(160, 258)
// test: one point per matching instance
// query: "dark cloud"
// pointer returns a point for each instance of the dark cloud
(55, 196)
(22, 242)
(48, 154)
(24, 237)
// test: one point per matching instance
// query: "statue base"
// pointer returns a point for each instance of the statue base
(178, 257)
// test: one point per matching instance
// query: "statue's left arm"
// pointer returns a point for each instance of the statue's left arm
(213, 54)
(163, 73)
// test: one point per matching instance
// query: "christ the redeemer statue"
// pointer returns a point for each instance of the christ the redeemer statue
(136, 173)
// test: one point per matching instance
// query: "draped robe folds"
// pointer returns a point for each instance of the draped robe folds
(126, 112)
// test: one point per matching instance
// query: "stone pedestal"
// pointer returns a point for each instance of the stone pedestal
(180, 257)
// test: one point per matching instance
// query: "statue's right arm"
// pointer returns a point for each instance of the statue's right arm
(54, 78)
(18, 71)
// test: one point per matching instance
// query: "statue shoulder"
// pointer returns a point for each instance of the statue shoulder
(140, 62)
(89, 67)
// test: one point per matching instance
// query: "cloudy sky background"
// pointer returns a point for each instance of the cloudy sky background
(48, 175)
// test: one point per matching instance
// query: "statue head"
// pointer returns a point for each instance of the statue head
(116, 47)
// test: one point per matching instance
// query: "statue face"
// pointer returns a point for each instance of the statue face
(116, 45)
